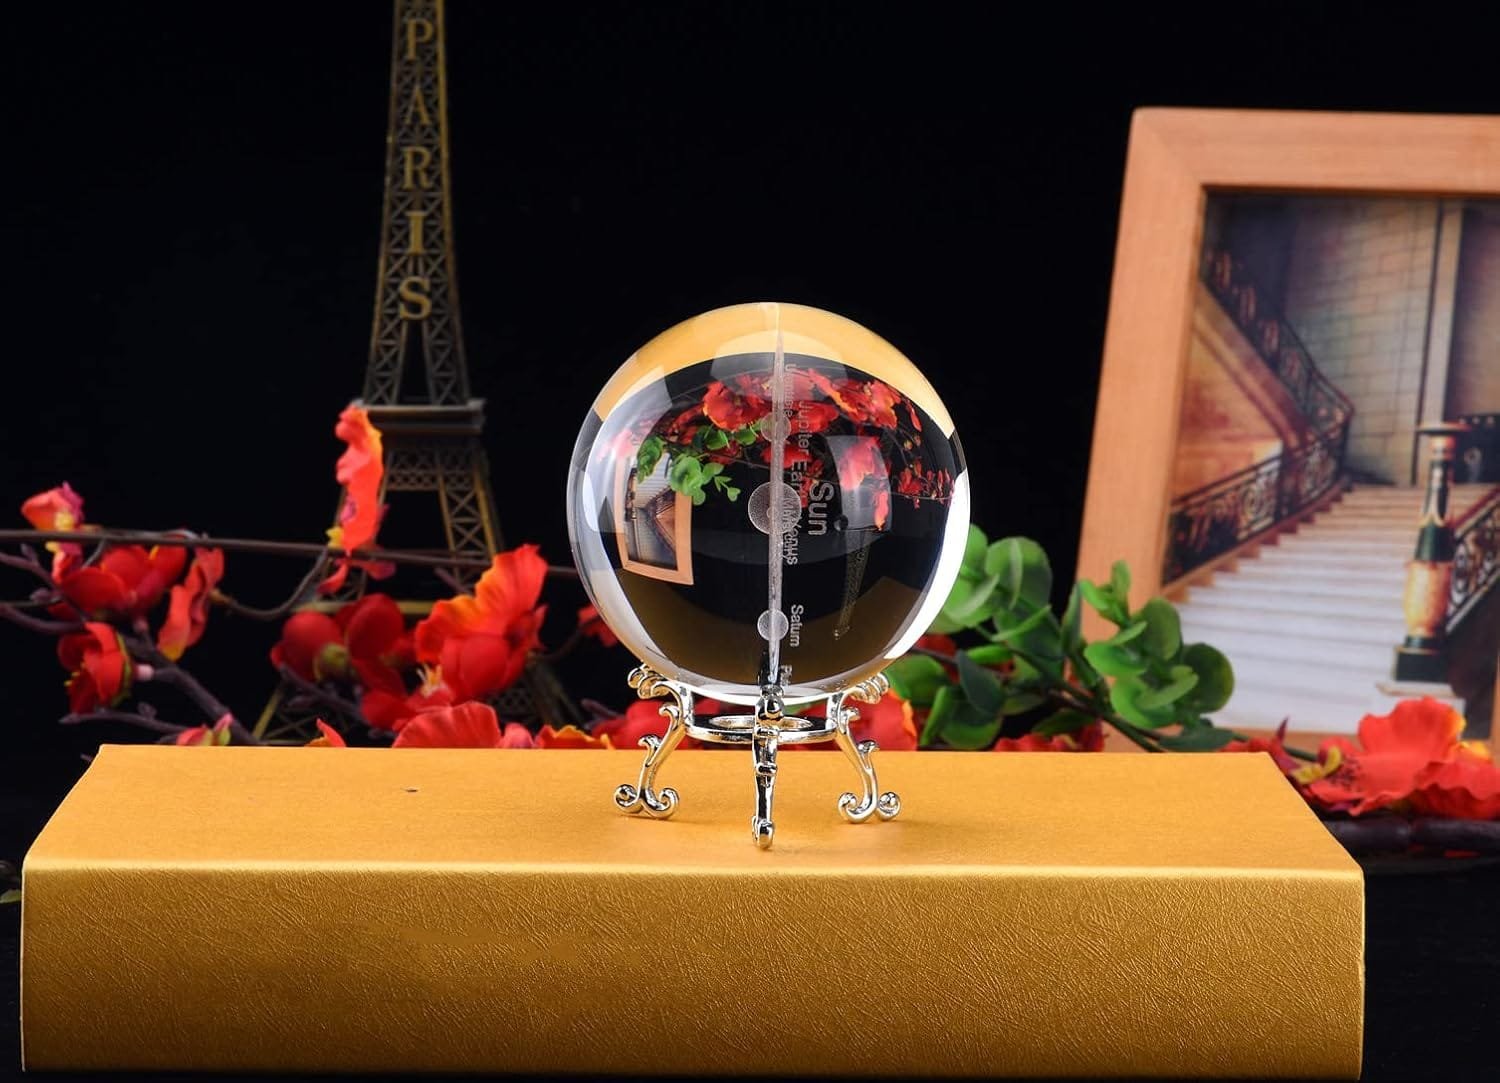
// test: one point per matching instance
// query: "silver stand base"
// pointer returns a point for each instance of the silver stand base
(764, 731)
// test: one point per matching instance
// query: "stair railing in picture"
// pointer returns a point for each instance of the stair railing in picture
(1453, 563)
(1224, 514)
(1476, 559)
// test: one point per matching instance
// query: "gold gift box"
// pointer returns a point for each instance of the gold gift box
(491, 911)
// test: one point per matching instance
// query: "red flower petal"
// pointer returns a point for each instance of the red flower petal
(304, 638)
(469, 725)
(1465, 788)
(360, 470)
(591, 624)
(569, 737)
(328, 737)
(187, 612)
(371, 626)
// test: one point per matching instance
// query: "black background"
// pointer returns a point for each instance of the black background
(191, 232)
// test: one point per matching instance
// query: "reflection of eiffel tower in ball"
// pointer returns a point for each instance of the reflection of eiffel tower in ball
(431, 427)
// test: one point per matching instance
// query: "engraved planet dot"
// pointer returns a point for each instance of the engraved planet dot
(759, 508)
(772, 625)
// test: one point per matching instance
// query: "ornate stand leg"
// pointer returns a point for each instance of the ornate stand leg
(643, 797)
(763, 740)
(870, 802)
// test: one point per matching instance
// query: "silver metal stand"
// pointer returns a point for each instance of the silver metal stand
(764, 731)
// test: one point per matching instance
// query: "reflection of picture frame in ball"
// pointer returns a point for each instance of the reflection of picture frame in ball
(654, 523)
(1296, 430)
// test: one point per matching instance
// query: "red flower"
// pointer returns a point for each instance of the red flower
(374, 633)
(57, 509)
(99, 667)
(641, 718)
(858, 458)
(127, 582)
(792, 454)
(809, 415)
(390, 709)
(590, 623)
(1465, 788)
(187, 611)
(360, 470)
(733, 409)
(1394, 753)
(569, 737)
(328, 737)
(203, 735)
(865, 403)
(1088, 739)
(469, 725)
(889, 723)
(312, 646)
(481, 641)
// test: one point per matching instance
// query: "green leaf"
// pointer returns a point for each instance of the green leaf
(1182, 682)
(1066, 720)
(732, 491)
(1119, 582)
(974, 551)
(1022, 568)
(943, 706)
(1021, 702)
(1125, 696)
(1072, 621)
(1114, 661)
(967, 600)
(716, 438)
(990, 654)
(1104, 601)
(698, 497)
(1015, 633)
(745, 436)
(649, 455)
(1196, 739)
(1215, 677)
(684, 472)
(955, 720)
(1127, 633)
(916, 678)
(982, 688)
(711, 470)
(1163, 637)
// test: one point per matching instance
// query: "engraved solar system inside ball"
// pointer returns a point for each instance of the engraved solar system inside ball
(768, 497)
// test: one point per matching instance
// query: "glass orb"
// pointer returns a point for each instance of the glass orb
(768, 494)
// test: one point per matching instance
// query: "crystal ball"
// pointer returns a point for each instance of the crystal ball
(768, 495)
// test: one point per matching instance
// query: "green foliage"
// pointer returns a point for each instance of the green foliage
(1142, 679)
(917, 678)
(649, 455)
(690, 476)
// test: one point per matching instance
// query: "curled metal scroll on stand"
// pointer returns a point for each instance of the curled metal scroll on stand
(764, 731)
(643, 797)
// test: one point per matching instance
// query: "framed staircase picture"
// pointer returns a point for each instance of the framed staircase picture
(1298, 430)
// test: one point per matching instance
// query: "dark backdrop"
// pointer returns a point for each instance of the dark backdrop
(192, 231)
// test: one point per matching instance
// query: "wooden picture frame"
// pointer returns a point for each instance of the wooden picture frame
(1178, 159)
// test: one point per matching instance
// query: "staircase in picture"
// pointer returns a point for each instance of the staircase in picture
(1311, 618)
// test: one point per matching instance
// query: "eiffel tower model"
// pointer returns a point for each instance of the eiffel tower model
(430, 429)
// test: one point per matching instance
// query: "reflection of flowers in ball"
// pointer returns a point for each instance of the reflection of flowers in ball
(671, 501)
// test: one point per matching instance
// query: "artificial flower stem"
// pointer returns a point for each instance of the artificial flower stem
(345, 707)
(257, 545)
(155, 725)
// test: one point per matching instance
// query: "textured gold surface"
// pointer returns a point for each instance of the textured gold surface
(360, 910)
